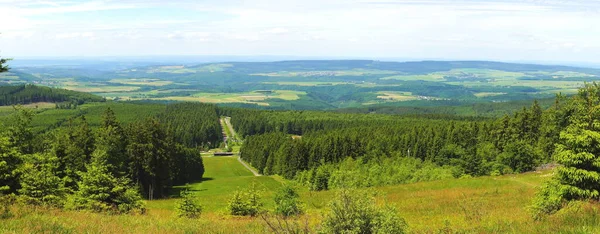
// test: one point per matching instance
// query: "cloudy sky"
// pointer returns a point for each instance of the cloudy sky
(507, 30)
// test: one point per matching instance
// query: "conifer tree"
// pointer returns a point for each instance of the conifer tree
(10, 159)
(579, 148)
(39, 183)
(578, 153)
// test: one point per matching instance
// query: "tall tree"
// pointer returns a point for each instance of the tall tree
(579, 148)
(111, 143)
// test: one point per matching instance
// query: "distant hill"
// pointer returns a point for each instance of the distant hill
(25, 94)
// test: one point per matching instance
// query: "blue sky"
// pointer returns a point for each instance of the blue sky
(507, 30)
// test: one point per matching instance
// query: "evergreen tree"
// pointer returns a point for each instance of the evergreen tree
(99, 191)
(73, 148)
(579, 148)
(188, 206)
(578, 153)
(39, 183)
(20, 133)
(3, 67)
(287, 201)
(10, 160)
(111, 143)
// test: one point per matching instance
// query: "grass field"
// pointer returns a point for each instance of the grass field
(249, 97)
(474, 205)
(308, 83)
(146, 82)
(396, 96)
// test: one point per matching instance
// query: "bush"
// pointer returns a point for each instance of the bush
(354, 211)
(286, 202)
(188, 206)
(245, 203)
(548, 200)
(5, 203)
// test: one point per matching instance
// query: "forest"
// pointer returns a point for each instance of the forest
(107, 168)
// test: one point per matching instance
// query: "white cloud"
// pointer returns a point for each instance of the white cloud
(495, 29)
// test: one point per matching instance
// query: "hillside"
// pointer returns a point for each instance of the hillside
(26, 94)
(476, 205)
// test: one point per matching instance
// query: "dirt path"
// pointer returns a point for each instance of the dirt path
(248, 167)
(228, 124)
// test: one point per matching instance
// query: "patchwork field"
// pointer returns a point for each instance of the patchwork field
(326, 84)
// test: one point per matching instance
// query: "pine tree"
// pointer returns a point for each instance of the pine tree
(10, 160)
(39, 183)
(3, 67)
(188, 206)
(579, 149)
(578, 153)
(99, 191)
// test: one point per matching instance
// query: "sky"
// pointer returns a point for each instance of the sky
(502, 30)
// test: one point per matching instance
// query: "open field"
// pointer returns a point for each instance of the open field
(396, 96)
(147, 82)
(487, 94)
(250, 97)
(101, 88)
(308, 83)
(351, 72)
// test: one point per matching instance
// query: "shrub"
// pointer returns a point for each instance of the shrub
(286, 202)
(547, 200)
(354, 211)
(188, 206)
(5, 203)
(245, 203)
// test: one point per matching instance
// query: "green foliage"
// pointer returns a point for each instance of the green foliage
(354, 211)
(20, 133)
(39, 183)
(578, 153)
(287, 201)
(99, 191)
(519, 156)
(6, 202)
(193, 125)
(3, 68)
(188, 206)
(25, 94)
(10, 160)
(73, 147)
(548, 200)
(361, 173)
(245, 203)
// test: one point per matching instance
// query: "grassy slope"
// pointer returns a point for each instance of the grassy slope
(476, 205)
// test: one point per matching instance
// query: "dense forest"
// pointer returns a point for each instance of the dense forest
(109, 167)
(25, 94)
(388, 146)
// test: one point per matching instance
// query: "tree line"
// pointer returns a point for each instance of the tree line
(28, 93)
(448, 146)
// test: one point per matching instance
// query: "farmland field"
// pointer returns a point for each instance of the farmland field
(318, 84)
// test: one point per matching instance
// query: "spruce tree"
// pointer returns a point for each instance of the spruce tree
(579, 148)
(3, 66)
(39, 183)
(99, 191)
(10, 159)
(578, 153)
